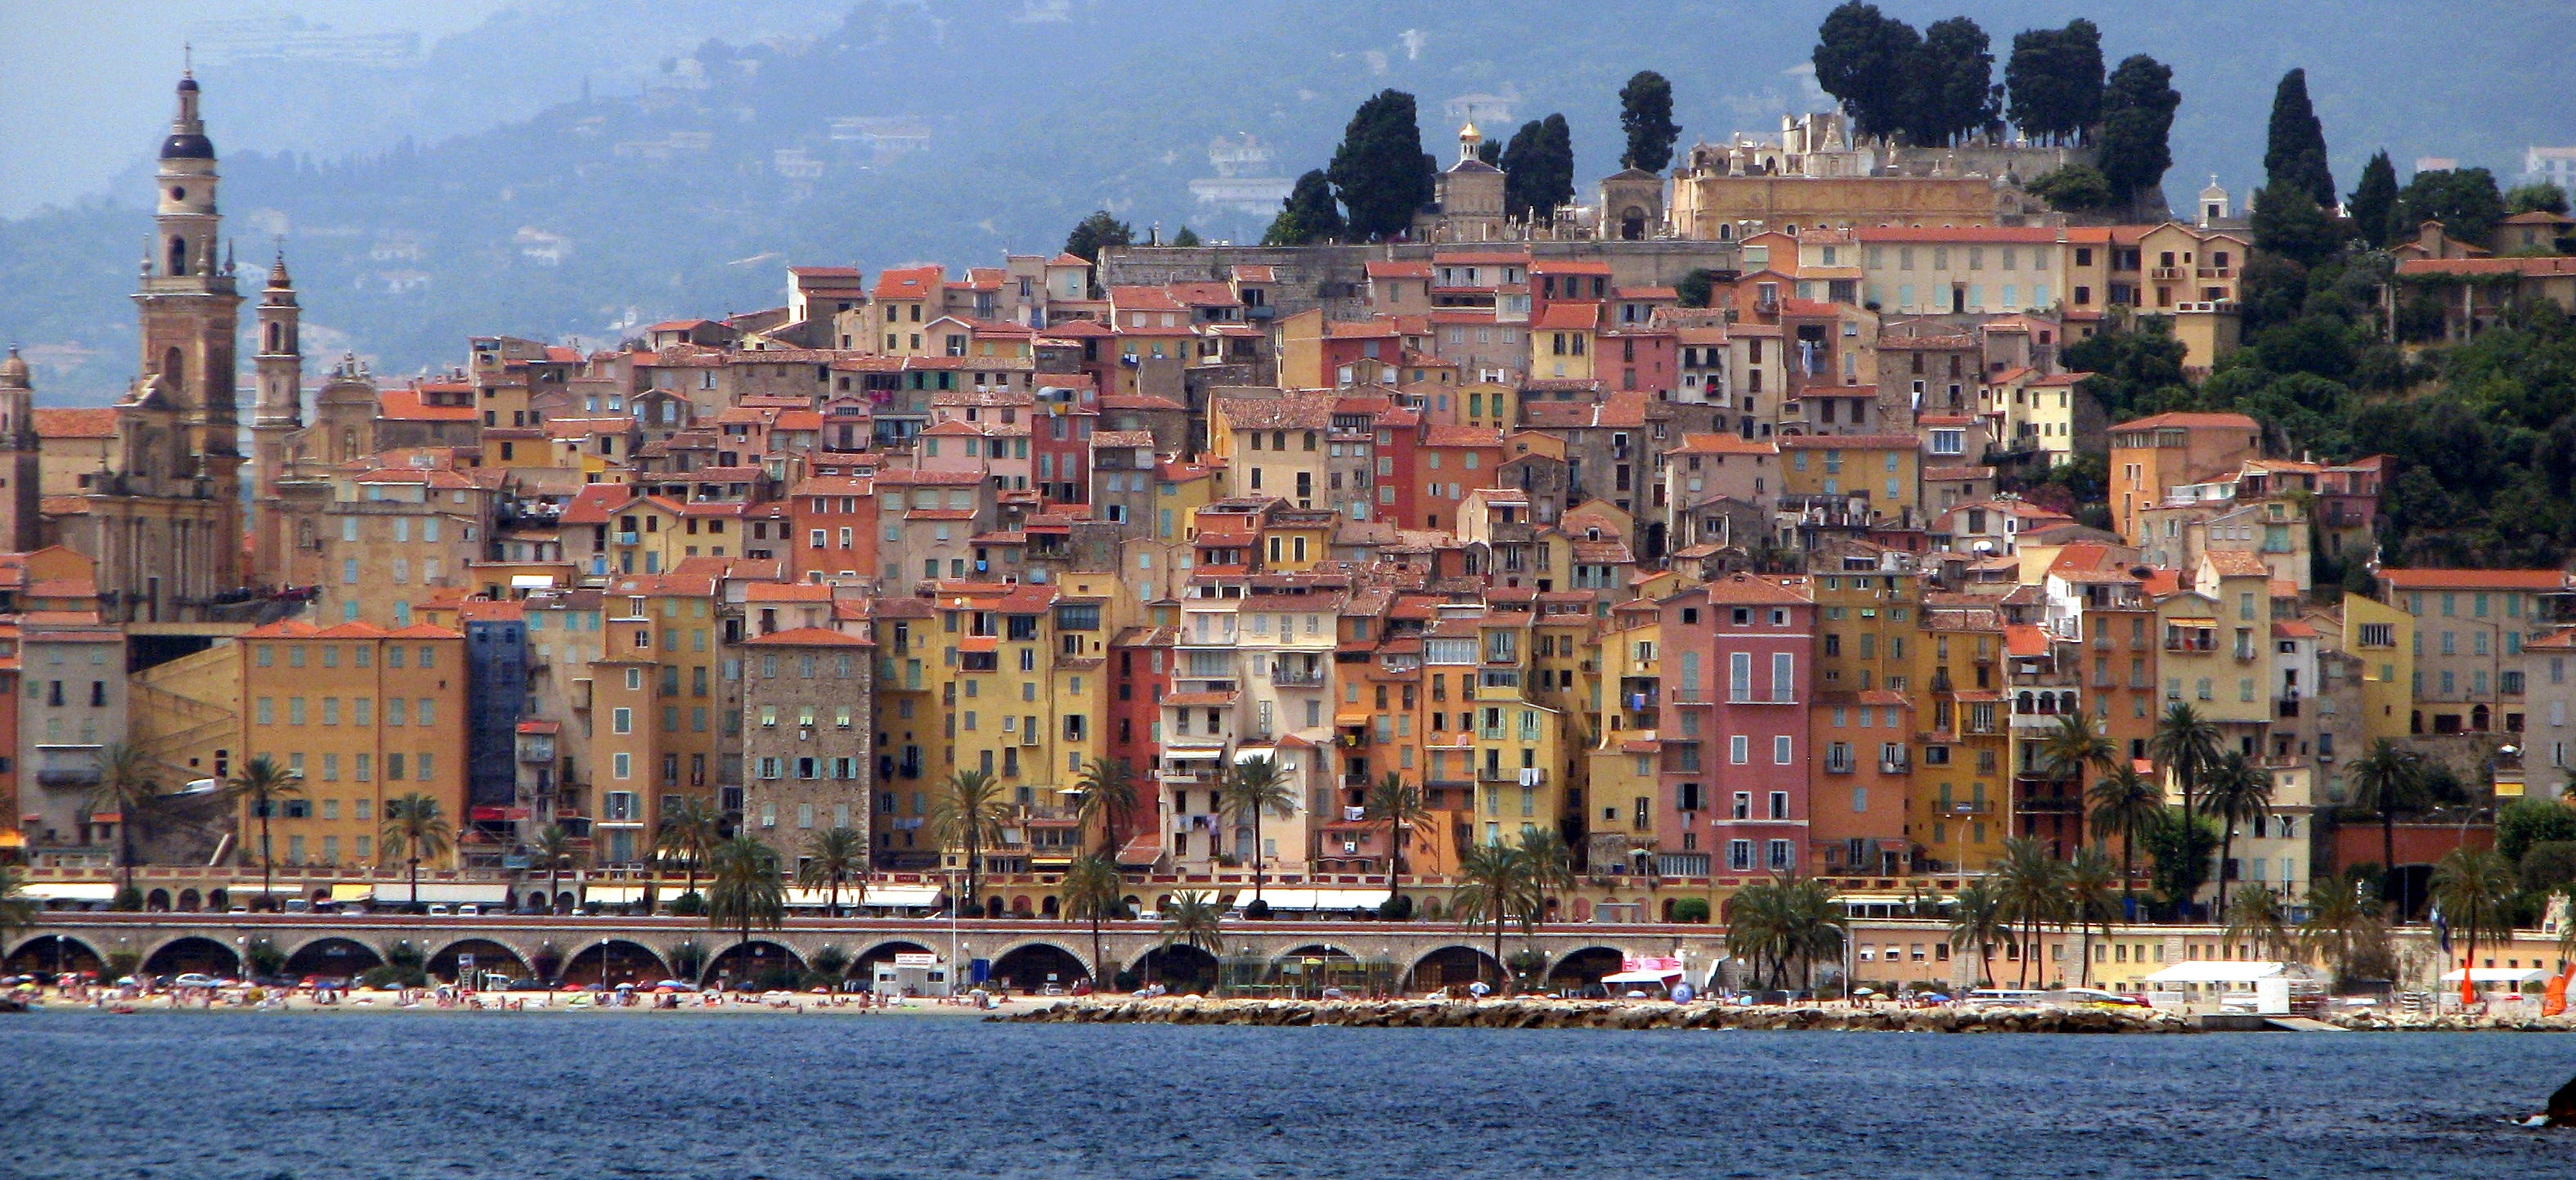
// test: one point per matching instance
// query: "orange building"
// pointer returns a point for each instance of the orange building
(363, 714)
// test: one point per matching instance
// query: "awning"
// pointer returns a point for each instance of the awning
(443, 893)
(2498, 975)
(817, 899)
(70, 890)
(902, 896)
(532, 581)
(1640, 977)
(1317, 899)
(2222, 971)
(352, 892)
(621, 894)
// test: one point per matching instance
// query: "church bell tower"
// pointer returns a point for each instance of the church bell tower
(190, 314)
(277, 415)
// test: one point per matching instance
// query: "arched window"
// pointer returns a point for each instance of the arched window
(174, 370)
(2025, 703)
(276, 337)
(178, 255)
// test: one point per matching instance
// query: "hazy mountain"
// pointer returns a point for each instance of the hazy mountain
(694, 169)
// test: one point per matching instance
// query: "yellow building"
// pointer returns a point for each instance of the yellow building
(1620, 806)
(2382, 637)
(1272, 445)
(1887, 468)
(363, 714)
(1957, 808)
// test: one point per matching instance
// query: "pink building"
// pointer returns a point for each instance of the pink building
(1736, 665)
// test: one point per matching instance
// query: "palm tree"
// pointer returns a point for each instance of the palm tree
(1813, 925)
(415, 830)
(1977, 923)
(2239, 791)
(1494, 888)
(553, 846)
(833, 858)
(1757, 928)
(126, 787)
(1398, 804)
(1193, 920)
(2385, 778)
(744, 888)
(2473, 888)
(1093, 893)
(17, 910)
(1107, 799)
(689, 834)
(2090, 902)
(263, 783)
(2344, 925)
(2186, 745)
(2030, 885)
(967, 813)
(2128, 805)
(1551, 869)
(2074, 747)
(2256, 918)
(1252, 786)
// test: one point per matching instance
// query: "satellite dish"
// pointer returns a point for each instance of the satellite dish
(1982, 548)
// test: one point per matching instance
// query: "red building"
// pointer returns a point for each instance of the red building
(832, 527)
(1736, 669)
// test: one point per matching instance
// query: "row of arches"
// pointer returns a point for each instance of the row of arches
(1027, 966)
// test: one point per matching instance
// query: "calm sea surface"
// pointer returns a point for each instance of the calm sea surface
(213, 1097)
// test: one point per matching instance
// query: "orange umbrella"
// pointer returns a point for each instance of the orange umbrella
(2554, 1000)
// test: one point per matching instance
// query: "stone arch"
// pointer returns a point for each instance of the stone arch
(54, 954)
(1020, 906)
(1585, 967)
(863, 964)
(191, 901)
(1632, 224)
(332, 956)
(628, 962)
(192, 952)
(1027, 966)
(488, 956)
(745, 962)
(1181, 967)
(1454, 965)
(157, 901)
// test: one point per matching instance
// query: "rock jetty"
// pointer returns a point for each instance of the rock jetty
(1540, 1013)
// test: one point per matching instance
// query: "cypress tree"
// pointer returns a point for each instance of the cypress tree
(2374, 204)
(1307, 216)
(1556, 151)
(2137, 118)
(1380, 171)
(1522, 170)
(2055, 79)
(1646, 115)
(2295, 151)
(1098, 230)
(2287, 223)
(2079, 74)
(1862, 58)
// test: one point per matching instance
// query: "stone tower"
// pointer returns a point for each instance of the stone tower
(190, 314)
(277, 416)
(20, 530)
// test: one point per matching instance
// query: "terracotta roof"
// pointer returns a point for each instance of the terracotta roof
(2236, 563)
(1290, 410)
(2024, 639)
(1850, 442)
(61, 422)
(2236, 421)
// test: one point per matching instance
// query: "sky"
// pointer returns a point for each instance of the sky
(92, 103)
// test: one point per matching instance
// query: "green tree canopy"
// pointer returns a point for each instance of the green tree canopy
(1379, 171)
(1538, 168)
(2055, 80)
(2464, 200)
(1646, 117)
(2074, 188)
(1950, 83)
(1308, 215)
(2543, 197)
(2294, 155)
(1096, 231)
(2374, 203)
(1861, 58)
(2138, 106)
(2288, 223)
(1187, 237)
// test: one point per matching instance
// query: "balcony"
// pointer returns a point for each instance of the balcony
(1963, 807)
(625, 538)
(2165, 272)
(2051, 805)
(1838, 766)
(67, 777)
(1297, 677)
(1894, 766)
(2287, 706)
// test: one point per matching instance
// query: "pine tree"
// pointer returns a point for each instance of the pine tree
(1522, 170)
(1307, 216)
(1862, 58)
(2137, 120)
(1187, 237)
(2465, 200)
(1098, 230)
(1951, 75)
(1380, 171)
(2374, 203)
(1646, 115)
(2055, 78)
(2295, 152)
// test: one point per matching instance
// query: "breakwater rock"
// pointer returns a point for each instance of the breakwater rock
(1539, 1013)
(2367, 1021)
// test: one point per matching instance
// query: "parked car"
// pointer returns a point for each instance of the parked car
(439, 910)
(194, 979)
(469, 910)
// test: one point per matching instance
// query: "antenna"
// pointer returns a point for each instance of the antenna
(187, 60)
